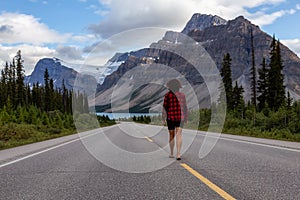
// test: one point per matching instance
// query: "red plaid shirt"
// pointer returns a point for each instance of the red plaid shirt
(175, 108)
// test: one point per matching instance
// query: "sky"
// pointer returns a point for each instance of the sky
(71, 29)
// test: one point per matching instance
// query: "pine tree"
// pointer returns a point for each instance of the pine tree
(80, 103)
(227, 80)
(37, 96)
(85, 104)
(9, 106)
(237, 96)
(70, 102)
(4, 86)
(20, 87)
(262, 87)
(11, 83)
(64, 97)
(28, 97)
(281, 86)
(51, 94)
(47, 96)
(289, 101)
(253, 74)
(276, 88)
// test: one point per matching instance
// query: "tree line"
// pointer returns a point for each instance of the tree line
(267, 91)
(30, 113)
(271, 112)
(14, 92)
(144, 119)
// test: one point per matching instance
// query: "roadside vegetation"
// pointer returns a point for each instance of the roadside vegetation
(271, 112)
(39, 112)
(283, 124)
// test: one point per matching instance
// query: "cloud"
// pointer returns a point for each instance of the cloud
(129, 14)
(6, 29)
(173, 14)
(18, 28)
(30, 54)
(293, 44)
(118, 16)
(135, 39)
(266, 19)
(88, 38)
(68, 53)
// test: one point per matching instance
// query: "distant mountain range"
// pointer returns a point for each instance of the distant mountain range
(216, 35)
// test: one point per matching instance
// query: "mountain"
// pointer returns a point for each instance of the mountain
(59, 73)
(113, 64)
(201, 22)
(234, 38)
(216, 38)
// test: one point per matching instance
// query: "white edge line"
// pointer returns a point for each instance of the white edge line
(63, 144)
(241, 141)
(45, 150)
(264, 145)
(254, 143)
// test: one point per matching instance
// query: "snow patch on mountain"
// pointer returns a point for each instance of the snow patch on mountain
(109, 68)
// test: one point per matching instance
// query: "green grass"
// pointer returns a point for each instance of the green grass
(13, 134)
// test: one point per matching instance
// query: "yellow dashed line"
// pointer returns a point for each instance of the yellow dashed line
(211, 185)
(149, 139)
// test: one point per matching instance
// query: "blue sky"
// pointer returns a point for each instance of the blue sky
(68, 29)
(62, 15)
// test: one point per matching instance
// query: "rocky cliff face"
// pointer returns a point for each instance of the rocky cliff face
(59, 73)
(234, 38)
(201, 22)
(217, 37)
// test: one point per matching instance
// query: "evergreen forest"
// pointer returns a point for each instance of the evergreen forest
(271, 112)
(31, 113)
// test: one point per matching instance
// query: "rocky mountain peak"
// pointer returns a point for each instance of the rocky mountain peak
(56, 71)
(242, 25)
(203, 21)
(59, 72)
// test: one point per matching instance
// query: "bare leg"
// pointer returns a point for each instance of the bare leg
(171, 142)
(178, 141)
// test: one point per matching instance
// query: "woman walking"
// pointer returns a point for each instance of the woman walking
(175, 113)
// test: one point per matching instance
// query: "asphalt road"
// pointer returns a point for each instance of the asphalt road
(130, 161)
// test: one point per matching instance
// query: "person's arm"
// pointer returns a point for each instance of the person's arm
(185, 109)
(164, 109)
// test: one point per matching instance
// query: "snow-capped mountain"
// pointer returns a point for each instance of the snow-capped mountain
(112, 65)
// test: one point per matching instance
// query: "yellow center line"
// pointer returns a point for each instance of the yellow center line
(211, 185)
(149, 139)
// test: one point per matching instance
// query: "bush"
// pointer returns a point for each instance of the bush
(85, 122)
(53, 131)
